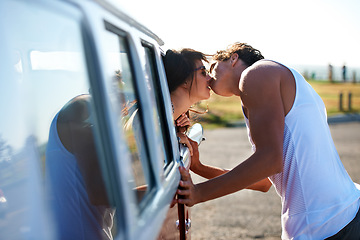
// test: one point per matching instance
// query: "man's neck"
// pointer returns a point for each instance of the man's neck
(239, 72)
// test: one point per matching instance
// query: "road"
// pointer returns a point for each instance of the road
(248, 214)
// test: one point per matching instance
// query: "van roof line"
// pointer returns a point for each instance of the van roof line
(123, 16)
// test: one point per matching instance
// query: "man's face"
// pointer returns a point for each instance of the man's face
(221, 73)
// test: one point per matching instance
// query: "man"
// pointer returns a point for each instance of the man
(75, 183)
(293, 149)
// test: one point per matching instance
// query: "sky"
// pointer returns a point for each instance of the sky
(307, 32)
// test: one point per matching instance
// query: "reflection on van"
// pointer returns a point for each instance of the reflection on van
(3, 204)
(75, 184)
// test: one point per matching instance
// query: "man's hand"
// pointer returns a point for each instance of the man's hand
(187, 190)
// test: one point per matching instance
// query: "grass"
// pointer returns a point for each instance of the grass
(329, 92)
(224, 110)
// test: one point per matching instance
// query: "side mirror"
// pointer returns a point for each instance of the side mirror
(196, 133)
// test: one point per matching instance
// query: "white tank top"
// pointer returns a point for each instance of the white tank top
(318, 196)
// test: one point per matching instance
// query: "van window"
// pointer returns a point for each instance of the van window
(60, 123)
(158, 109)
(128, 110)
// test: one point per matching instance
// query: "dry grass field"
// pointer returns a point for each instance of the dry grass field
(224, 110)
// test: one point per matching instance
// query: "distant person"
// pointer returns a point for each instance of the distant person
(354, 76)
(292, 149)
(313, 75)
(343, 73)
(330, 73)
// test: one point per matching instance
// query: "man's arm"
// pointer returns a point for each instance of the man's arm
(261, 97)
(209, 172)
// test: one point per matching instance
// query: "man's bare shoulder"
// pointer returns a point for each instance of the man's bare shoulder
(263, 67)
(263, 74)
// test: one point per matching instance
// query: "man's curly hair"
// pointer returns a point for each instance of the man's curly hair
(247, 53)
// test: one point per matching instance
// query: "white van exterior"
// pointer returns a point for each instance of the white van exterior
(52, 52)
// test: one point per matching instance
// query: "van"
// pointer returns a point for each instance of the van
(88, 149)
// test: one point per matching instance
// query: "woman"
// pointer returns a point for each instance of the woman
(188, 83)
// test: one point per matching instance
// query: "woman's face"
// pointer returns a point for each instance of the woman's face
(200, 88)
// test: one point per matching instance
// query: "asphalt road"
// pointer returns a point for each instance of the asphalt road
(248, 214)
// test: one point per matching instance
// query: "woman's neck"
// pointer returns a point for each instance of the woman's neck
(181, 102)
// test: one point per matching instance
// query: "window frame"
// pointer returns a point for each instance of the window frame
(160, 101)
(136, 224)
(142, 115)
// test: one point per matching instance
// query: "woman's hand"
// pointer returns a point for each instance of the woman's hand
(183, 139)
(183, 121)
(195, 163)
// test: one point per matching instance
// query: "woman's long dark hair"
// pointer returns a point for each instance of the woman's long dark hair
(180, 66)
